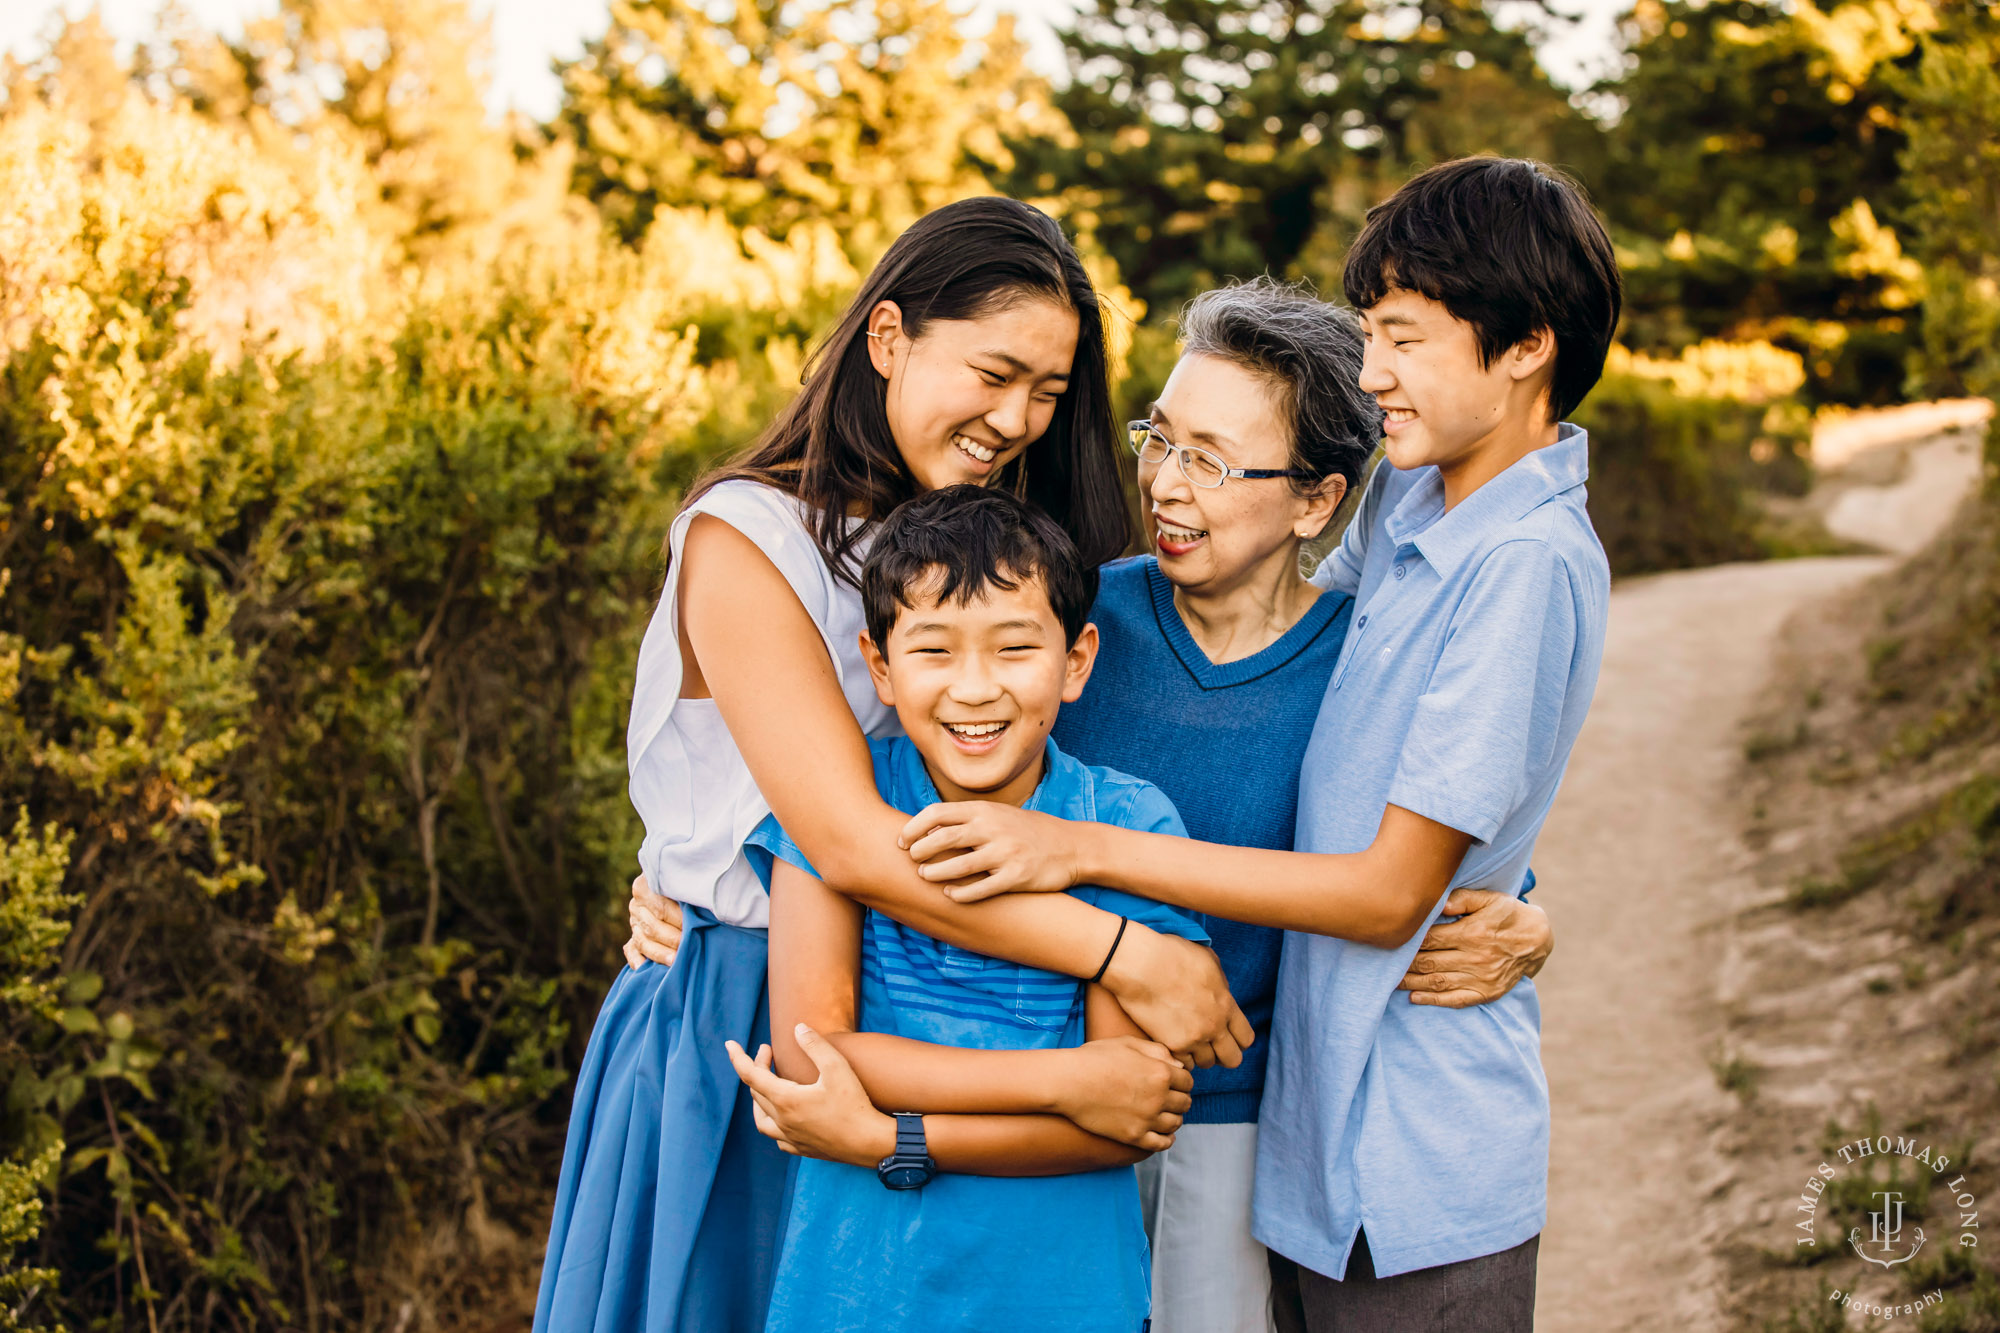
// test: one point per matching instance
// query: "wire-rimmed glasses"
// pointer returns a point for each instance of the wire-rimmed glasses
(1199, 466)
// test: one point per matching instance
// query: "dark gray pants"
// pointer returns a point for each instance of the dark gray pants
(1494, 1293)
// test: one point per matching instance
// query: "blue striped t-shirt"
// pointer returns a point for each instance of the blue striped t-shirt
(972, 1252)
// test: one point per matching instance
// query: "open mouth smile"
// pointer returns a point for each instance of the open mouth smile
(975, 737)
(979, 453)
(1176, 540)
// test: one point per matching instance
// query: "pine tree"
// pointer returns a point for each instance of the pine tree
(81, 76)
(1207, 131)
(1753, 180)
(404, 80)
(1951, 165)
(863, 115)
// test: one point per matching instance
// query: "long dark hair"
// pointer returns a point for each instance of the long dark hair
(832, 447)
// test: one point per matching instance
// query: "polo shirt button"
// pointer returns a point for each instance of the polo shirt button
(1400, 569)
(1361, 623)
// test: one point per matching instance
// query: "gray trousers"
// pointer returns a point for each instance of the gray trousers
(1209, 1275)
(1494, 1293)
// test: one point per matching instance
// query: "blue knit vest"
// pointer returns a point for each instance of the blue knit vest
(1224, 743)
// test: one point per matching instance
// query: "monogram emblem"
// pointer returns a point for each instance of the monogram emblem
(1885, 1232)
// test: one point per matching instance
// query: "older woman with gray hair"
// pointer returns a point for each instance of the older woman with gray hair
(1215, 654)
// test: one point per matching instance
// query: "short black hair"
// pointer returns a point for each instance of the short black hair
(1507, 245)
(1310, 351)
(979, 537)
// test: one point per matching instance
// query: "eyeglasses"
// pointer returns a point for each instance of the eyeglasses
(1199, 466)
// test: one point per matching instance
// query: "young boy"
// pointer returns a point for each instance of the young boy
(1403, 1149)
(976, 607)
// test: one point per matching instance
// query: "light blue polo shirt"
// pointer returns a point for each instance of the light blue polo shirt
(1462, 686)
(972, 1253)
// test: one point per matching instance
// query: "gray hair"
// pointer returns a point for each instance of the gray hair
(1310, 351)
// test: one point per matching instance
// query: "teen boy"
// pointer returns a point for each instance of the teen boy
(1403, 1149)
(977, 633)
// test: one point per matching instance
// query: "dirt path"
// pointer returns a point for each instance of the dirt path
(1640, 862)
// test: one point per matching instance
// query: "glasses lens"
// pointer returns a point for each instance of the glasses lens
(1203, 468)
(1146, 441)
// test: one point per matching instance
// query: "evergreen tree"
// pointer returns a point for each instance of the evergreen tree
(1212, 138)
(403, 80)
(83, 75)
(1752, 179)
(1951, 164)
(863, 115)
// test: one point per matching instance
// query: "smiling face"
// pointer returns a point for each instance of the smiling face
(967, 397)
(1444, 409)
(977, 686)
(1211, 540)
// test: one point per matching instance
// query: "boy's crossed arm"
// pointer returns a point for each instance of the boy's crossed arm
(994, 1113)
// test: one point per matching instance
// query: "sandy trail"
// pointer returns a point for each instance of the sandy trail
(1640, 860)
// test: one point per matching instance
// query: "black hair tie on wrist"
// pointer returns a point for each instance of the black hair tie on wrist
(1105, 966)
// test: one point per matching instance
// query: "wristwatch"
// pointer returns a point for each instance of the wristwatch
(910, 1167)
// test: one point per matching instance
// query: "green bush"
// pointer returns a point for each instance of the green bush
(337, 733)
(314, 661)
(1675, 477)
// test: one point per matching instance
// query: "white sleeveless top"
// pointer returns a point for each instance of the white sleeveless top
(689, 782)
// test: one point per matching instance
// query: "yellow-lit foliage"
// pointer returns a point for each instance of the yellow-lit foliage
(1746, 372)
(275, 250)
(859, 115)
(330, 508)
(1859, 36)
(1681, 446)
(1867, 249)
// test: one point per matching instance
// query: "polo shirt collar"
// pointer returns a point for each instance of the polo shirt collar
(1064, 791)
(1448, 538)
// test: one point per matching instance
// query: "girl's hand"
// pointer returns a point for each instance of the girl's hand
(1128, 1090)
(1497, 940)
(830, 1118)
(978, 849)
(656, 927)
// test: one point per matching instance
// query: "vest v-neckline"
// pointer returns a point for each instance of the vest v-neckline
(1220, 676)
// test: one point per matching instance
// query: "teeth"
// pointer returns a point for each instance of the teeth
(974, 731)
(1173, 532)
(976, 449)
(1400, 413)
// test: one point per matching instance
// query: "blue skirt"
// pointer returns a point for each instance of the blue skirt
(670, 1207)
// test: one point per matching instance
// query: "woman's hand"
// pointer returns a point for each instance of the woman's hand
(830, 1118)
(656, 927)
(1497, 940)
(977, 849)
(1127, 1090)
(1175, 990)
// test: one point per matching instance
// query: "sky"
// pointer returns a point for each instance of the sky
(528, 34)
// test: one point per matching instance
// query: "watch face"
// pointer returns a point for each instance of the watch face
(906, 1177)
